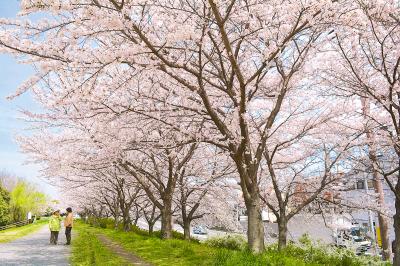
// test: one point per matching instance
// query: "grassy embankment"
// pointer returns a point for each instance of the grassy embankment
(87, 250)
(17, 232)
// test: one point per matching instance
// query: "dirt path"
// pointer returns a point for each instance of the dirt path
(120, 251)
(34, 249)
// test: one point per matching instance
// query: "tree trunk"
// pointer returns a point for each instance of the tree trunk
(282, 232)
(386, 249)
(396, 217)
(127, 225)
(186, 229)
(166, 220)
(255, 226)
(151, 228)
(126, 221)
(115, 222)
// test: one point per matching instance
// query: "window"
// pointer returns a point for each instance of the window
(360, 184)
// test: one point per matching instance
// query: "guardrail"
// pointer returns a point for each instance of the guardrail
(17, 224)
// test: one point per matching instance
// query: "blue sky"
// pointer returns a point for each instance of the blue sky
(11, 75)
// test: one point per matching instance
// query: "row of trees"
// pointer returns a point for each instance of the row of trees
(17, 198)
(111, 192)
(182, 103)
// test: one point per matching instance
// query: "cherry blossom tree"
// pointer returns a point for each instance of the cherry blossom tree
(158, 173)
(219, 207)
(207, 173)
(295, 186)
(367, 42)
(150, 213)
(217, 72)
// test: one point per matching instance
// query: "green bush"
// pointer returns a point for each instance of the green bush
(91, 220)
(296, 255)
(234, 242)
(314, 253)
(175, 235)
(136, 229)
(103, 223)
(109, 223)
(305, 240)
(233, 251)
(100, 222)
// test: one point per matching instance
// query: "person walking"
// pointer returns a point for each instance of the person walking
(54, 226)
(68, 223)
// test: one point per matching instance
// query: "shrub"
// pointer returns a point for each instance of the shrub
(234, 242)
(311, 252)
(178, 235)
(100, 222)
(103, 223)
(175, 235)
(136, 229)
(92, 220)
(305, 240)
(307, 253)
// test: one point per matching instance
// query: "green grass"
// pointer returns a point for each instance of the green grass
(88, 250)
(151, 249)
(163, 252)
(180, 252)
(17, 232)
(291, 256)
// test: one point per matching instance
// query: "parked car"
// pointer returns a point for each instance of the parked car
(353, 238)
(199, 230)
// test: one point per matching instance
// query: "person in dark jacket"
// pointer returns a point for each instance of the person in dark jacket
(68, 223)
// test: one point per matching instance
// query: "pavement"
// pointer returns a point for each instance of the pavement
(34, 249)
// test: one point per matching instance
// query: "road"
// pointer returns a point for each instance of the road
(313, 225)
(34, 249)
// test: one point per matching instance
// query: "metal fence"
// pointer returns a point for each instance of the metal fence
(17, 224)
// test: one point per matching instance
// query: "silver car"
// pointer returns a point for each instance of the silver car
(199, 230)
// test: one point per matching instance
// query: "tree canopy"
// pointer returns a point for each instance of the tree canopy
(25, 198)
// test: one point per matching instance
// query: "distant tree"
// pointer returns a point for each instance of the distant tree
(25, 198)
(8, 180)
(48, 211)
(4, 206)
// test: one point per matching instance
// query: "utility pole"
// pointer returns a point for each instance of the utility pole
(371, 220)
(378, 186)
